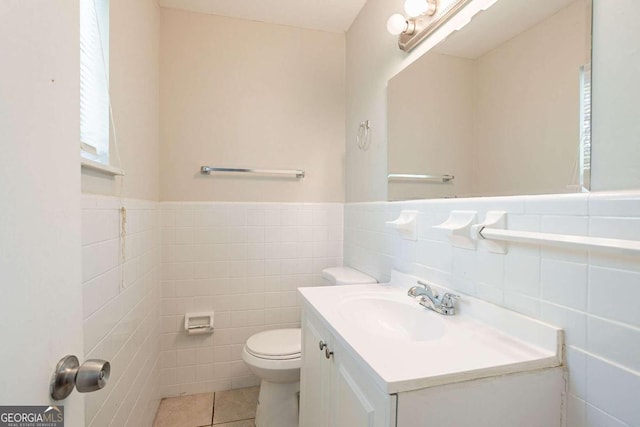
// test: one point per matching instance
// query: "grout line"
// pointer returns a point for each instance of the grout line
(213, 408)
(234, 421)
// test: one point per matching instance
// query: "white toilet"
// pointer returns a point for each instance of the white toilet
(274, 357)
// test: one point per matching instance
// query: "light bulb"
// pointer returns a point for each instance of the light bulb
(396, 24)
(415, 8)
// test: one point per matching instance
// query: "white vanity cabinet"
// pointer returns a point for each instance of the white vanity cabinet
(334, 391)
(389, 362)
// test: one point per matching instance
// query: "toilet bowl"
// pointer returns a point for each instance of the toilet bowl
(274, 356)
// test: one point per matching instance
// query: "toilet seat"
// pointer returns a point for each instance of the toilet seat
(275, 355)
(276, 344)
(275, 370)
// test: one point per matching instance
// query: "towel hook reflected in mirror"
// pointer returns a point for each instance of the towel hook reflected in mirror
(363, 137)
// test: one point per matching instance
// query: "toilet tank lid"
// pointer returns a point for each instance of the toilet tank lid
(347, 276)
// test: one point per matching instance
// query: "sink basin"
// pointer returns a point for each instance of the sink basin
(392, 318)
(405, 346)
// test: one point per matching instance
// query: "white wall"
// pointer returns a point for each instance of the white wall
(134, 87)
(121, 308)
(121, 322)
(372, 55)
(592, 295)
(238, 93)
(245, 262)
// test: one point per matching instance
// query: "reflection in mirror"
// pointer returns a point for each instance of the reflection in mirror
(503, 105)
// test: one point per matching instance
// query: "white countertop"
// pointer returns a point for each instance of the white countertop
(481, 340)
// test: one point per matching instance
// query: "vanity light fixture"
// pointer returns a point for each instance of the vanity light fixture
(398, 24)
(415, 8)
(423, 18)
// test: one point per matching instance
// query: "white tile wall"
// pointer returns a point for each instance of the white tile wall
(594, 296)
(244, 261)
(122, 309)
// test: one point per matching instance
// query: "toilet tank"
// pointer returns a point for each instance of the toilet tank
(346, 276)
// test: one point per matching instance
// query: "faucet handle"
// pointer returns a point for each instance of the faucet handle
(416, 291)
(448, 299)
(427, 288)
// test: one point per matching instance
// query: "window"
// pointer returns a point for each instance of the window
(585, 126)
(94, 80)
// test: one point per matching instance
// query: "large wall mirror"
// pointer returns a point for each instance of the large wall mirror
(501, 107)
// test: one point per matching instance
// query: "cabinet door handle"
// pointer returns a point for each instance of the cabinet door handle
(322, 345)
(327, 353)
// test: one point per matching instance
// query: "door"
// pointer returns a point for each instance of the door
(40, 288)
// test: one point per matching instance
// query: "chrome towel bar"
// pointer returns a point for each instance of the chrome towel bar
(207, 170)
(418, 177)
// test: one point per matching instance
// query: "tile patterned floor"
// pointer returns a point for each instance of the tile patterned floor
(231, 408)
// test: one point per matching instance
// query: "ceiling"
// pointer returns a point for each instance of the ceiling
(324, 15)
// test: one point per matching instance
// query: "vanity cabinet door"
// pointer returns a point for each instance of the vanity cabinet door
(356, 401)
(315, 375)
(334, 390)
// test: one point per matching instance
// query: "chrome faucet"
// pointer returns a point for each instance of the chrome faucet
(430, 299)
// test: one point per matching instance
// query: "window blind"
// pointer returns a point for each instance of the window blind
(585, 125)
(94, 80)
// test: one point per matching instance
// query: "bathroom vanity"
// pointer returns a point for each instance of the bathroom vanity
(372, 356)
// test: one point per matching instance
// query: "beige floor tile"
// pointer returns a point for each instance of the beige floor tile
(235, 405)
(245, 423)
(187, 411)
